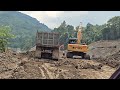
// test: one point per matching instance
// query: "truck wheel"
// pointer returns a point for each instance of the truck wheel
(38, 54)
(55, 54)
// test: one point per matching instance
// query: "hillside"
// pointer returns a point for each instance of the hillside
(18, 21)
(23, 27)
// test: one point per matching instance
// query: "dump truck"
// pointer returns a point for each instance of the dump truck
(47, 45)
(75, 47)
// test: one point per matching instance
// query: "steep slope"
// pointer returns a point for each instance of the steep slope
(18, 20)
(23, 27)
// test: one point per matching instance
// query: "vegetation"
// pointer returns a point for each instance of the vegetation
(109, 31)
(23, 27)
(91, 33)
(5, 35)
(112, 29)
(66, 32)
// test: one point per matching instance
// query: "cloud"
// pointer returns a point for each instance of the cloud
(54, 14)
(54, 18)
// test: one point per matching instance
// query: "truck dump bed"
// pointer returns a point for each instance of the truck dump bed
(48, 39)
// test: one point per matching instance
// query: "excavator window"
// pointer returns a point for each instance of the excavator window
(72, 41)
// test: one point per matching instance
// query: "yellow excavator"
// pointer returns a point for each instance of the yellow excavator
(75, 47)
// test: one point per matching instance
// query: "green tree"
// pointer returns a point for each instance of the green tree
(70, 30)
(66, 32)
(112, 29)
(92, 33)
(5, 35)
(63, 25)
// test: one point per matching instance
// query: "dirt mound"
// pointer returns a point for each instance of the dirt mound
(106, 52)
(112, 60)
(102, 49)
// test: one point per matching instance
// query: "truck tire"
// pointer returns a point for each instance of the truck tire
(55, 54)
(38, 53)
(46, 55)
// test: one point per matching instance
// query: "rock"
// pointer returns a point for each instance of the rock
(14, 60)
(100, 65)
(76, 67)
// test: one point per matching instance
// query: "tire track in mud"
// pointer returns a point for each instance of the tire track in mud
(48, 73)
(42, 72)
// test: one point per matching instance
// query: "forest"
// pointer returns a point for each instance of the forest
(18, 30)
(91, 33)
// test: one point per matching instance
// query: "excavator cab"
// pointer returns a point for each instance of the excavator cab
(72, 41)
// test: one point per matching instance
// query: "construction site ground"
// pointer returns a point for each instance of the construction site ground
(105, 59)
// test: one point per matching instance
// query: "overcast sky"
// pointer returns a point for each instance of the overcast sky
(54, 18)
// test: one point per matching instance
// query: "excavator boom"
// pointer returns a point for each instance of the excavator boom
(79, 34)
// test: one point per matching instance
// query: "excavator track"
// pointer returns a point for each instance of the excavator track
(83, 55)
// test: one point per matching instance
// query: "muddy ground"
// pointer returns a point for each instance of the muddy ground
(22, 66)
(106, 52)
(105, 59)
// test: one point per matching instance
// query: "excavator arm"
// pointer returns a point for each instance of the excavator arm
(79, 34)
